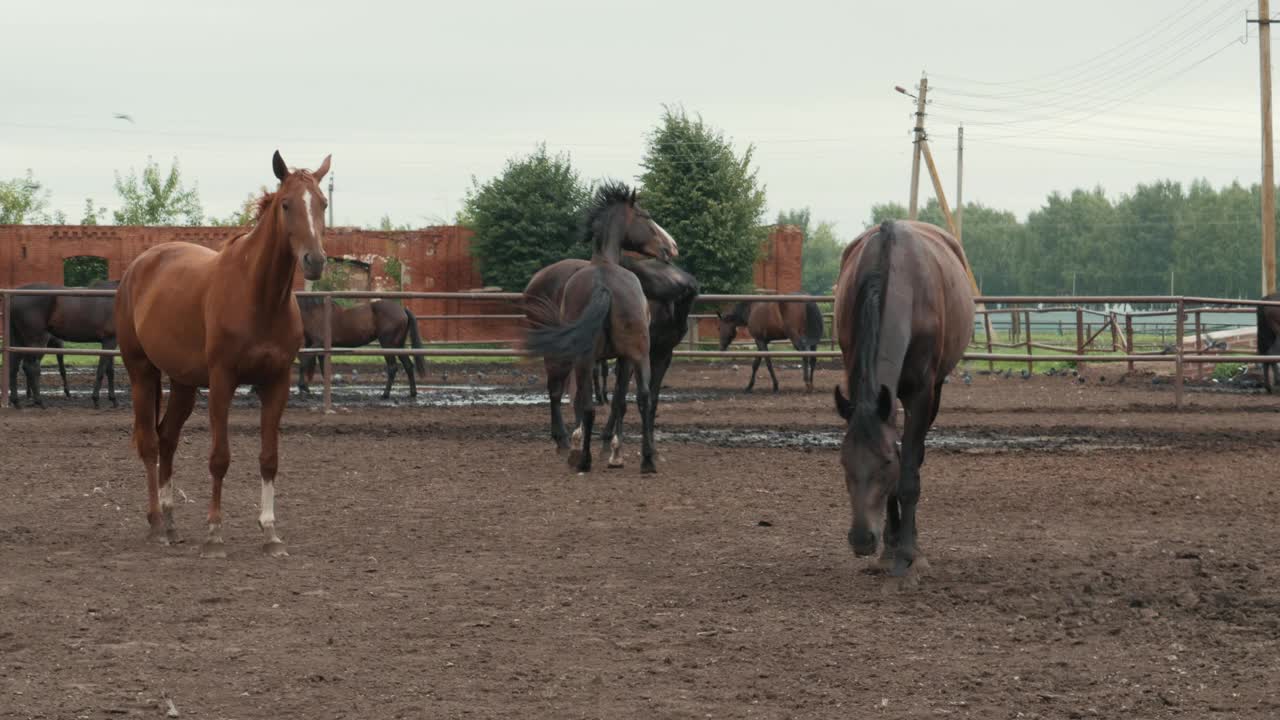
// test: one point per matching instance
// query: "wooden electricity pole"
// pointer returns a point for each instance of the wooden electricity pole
(1268, 164)
(912, 210)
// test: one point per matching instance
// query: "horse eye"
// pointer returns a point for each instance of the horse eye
(285, 206)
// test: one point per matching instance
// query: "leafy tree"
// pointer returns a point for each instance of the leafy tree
(526, 218)
(93, 215)
(385, 225)
(821, 259)
(81, 270)
(26, 200)
(798, 218)
(156, 199)
(707, 197)
(243, 215)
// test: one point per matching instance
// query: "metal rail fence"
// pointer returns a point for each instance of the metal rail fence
(1120, 352)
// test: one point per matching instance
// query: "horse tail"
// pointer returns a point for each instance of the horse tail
(869, 308)
(578, 338)
(813, 325)
(415, 339)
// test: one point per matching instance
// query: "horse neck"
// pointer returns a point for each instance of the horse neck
(608, 247)
(271, 263)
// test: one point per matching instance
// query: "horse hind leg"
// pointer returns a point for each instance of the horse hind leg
(182, 400)
(391, 376)
(617, 411)
(145, 387)
(768, 363)
(644, 404)
(584, 407)
(407, 364)
(221, 389)
(557, 374)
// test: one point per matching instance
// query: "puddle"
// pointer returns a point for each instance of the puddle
(953, 440)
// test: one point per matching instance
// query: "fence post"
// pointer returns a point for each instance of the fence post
(1079, 339)
(1177, 380)
(1115, 333)
(693, 334)
(986, 326)
(4, 351)
(326, 358)
(1199, 346)
(1128, 336)
(1031, 366)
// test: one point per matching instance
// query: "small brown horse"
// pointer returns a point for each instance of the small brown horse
(49, 319)
(603, 314)
(218, 320)
(904, 309)
(670, 292)
(799, 322)
(1269, 337)
(387, 322)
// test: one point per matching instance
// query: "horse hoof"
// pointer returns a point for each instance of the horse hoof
(901, 566)
(275, 548)
(616, 465)
(159, 536)
(647, 467)
(213, 550)
(748, 391)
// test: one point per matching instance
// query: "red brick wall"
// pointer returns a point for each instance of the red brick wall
(435, 259)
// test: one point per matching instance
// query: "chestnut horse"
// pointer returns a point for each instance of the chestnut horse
(1269, 337)
(904, 310)
(603, 314)
(799, 322)
(219, 319)
(389, 323)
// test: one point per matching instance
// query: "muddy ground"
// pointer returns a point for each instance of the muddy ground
(1093, 554)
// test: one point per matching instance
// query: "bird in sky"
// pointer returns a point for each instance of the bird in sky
(124, 116)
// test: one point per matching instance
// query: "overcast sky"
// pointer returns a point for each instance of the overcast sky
(414, 98)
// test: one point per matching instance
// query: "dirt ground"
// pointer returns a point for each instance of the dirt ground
(1093, 554)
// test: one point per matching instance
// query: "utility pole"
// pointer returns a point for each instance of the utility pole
(959, 181)
(1268, 164)
(331, 199)
(918, 141)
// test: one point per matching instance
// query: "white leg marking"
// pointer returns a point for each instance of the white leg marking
(615, 452)
(575, 440)
(166, 495)
(267, 517)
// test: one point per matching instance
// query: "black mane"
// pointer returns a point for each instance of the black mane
(608, 196)
(868, 309)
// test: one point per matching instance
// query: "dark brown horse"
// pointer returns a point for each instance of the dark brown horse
(220, 319)
(1269, 337)
(797, 321)
(387, 322)
(603, 313)
(30, 365)
(670, 292)
(904, 309)
(42, 319)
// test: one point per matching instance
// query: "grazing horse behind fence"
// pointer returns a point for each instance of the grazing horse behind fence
(799, 322)
(904, 310)
(1269, 337)
(389, 323)
(220, 319)
(603, 313)
(48, 320)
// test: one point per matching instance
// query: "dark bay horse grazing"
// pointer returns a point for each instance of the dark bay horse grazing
(671, 292)
(603, 314)
(904, 310)
(1269, 337)
(46, 319)
(799, 322)
(219, 319)
(387, 322)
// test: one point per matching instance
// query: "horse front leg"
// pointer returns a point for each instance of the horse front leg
(920, 410)
(111, 375)
(768, 363)
(275, 396)
(221, 389)
(408, 373)
(391, 375)
(31, 368)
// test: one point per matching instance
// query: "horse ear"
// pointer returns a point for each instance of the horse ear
(277, 164)
(842, 405)
(884, 404)
(323, 169)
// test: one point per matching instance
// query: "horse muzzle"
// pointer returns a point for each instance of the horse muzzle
(312, 266)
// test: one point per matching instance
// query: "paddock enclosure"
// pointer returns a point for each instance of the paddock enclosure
(1093, 553)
